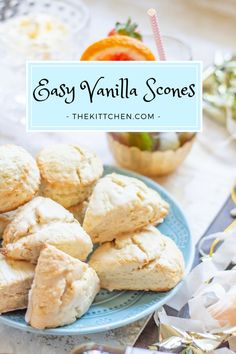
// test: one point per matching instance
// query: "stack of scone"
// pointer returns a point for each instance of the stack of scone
(133, 254)
(45, 248)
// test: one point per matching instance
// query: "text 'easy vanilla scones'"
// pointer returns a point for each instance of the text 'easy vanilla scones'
(44, 221)
(19, 177)
(6, 218)
(63, 290)
(68, 173)
(145, 260)
(119, 205)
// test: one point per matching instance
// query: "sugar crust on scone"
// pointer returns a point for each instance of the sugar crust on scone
(62, 291)
(145, 260)
(68, 173)
(119, 205)
(19, 177)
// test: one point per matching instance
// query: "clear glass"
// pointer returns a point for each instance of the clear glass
(74, 17)
(73, 14)
(175, 49)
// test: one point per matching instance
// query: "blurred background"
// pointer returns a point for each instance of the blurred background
(202, 176)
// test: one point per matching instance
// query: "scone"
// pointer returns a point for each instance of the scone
(79, 211)
(16, 278)
(6, 218)
(145, 260)
(19, 177)
(63, 290)
(4, 221)
(68, 173)
(119, 205)
(44, 221)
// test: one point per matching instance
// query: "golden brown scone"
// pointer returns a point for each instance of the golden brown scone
(4, 221)
(6, 218)
(145, 260)
(79, 211)
(19, 177)
(44, 221)
(68, 173)
(119, 205)
(63, 290)
(16, 278)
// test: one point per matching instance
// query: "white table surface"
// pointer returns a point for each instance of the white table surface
(200, 185)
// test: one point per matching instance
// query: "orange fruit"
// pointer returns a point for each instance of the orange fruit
(117, 47)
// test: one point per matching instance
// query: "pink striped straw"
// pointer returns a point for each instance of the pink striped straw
(156, 33)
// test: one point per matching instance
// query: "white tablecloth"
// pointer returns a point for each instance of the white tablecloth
(200, 185)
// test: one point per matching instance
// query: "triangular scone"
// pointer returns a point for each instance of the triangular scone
(44, 221)
(5, 219)
(16, 278)
(70, 238)
(63, 290)
(119, 205)
(32, 216)
(145, 260)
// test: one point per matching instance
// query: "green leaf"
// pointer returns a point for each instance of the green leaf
(128, 29)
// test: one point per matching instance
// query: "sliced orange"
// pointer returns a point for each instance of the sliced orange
(118, 47)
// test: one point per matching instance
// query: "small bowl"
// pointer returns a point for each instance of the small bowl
(74, 15)
(156, 163)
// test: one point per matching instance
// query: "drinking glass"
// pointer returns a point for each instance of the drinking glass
(175, 48)
(71, 15)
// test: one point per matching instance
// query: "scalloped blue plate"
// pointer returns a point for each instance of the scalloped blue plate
(119, 308)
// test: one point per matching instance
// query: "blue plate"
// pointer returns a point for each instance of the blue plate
(119, 308)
